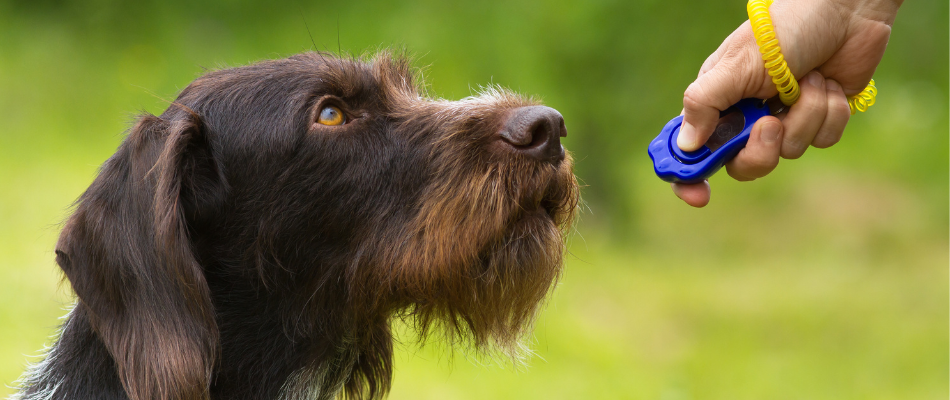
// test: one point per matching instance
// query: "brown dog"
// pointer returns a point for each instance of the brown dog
(255, 240)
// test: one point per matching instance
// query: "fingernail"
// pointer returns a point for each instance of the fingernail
(833, 85)
(771, 131)
(815, 79)
(687, 138)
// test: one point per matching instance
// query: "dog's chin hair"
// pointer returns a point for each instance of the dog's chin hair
(35, 374)
(33, 377)
(311, 383)
(495, 315)
(488, 303)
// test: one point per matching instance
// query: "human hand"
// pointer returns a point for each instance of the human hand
(832, 46)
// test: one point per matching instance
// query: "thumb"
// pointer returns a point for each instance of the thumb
(738, 70)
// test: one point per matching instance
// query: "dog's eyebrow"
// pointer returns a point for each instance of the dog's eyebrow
(397, 80)
(347, 78)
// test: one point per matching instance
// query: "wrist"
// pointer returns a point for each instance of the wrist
(875, 10)
(797, 26)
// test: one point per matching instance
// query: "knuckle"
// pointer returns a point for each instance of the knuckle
(840, 110)
(826, 139)
(694, 98)
(765, 164)
(813, 104)
(735, 174)
(755, 166)
(710, 62)
(793, 149)
(707, 95)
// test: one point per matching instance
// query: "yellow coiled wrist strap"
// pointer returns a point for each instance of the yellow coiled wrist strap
(788, 90)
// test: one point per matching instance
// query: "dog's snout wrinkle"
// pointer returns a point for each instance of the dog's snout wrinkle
(536, 132)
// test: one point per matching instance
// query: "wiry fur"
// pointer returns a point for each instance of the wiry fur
(232, 248)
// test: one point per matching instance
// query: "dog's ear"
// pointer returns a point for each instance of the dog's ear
(126, 251)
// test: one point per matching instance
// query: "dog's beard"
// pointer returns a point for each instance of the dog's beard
(487, 254)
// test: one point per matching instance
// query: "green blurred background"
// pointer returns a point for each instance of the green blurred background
(826, 280)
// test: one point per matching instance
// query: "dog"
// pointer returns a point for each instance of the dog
(257, 239)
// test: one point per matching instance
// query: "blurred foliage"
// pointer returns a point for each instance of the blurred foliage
(825, 280)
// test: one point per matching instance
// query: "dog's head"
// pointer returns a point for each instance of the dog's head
(334, 189)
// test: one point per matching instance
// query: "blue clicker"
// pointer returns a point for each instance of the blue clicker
(674, 165)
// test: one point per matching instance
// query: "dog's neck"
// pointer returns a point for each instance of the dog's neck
(264, 353)
(78, 366)
(257, 360)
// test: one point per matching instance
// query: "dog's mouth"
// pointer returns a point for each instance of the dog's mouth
(549, 207)
(538, 213)
(553, 204)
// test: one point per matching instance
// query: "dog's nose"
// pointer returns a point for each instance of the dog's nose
(536, 132)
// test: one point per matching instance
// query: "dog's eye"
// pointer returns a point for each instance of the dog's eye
(331, 115)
